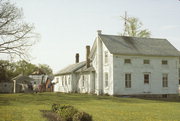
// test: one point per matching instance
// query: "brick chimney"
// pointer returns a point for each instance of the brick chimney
(87, 56)
(77, 57)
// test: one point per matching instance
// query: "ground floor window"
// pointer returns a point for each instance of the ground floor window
(128, 80)
(106, 79)
(146, 78)
(83, 81)
(165, 80)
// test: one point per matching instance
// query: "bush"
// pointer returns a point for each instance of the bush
(82, 116)
(69, 113)
(56, 107)
(66, 112)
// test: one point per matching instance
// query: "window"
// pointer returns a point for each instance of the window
(146, 78)
(146, 61)
(179, 72)
(165, 80)
(83, 80)
(65, 80)
(106, 57)
(69, 80)
(57, 80)
(128, 80)
(106, 79)
(62, 80)
(164, 62)
(127, 61)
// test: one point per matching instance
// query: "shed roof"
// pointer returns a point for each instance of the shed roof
(85, 69)
(138, 46)
(71, 68)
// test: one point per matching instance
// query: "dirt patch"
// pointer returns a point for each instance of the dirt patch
(51, 116)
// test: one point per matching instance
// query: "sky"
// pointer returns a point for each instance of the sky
(67, 26)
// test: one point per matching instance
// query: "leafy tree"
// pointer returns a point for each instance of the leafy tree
(7, 70)
(45, 68)
(133, 27)
(16, 36)
(24, 67)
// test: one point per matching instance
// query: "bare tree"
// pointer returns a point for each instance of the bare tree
(16, 36)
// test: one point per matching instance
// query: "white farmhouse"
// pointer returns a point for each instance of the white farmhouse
(121, 65)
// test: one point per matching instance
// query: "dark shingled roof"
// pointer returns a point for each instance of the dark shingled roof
(71, 68)
(138, 46)
(85, 69)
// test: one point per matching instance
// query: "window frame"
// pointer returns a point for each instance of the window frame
(57, 80)
(146, 61)
(127, 61)
(62, 80)
(106, 77)
(164, 62)
(106, 57)
(146, 81)
(128, 79)
(83, 81)
(164, 80)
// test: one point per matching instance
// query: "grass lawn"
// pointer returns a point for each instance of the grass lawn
(26, 107)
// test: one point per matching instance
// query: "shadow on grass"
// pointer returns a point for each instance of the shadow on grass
(4, 102)
(51, 116)
(177, 99)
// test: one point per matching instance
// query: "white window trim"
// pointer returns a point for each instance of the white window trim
(164, 80)
(128, 87)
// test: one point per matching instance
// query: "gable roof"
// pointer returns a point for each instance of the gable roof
(23, 79)
(138, 46)
(71, 68)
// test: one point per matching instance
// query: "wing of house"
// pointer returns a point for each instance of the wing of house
(66, 79)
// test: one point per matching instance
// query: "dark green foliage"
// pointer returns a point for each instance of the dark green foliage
(56, 107)
(66, 112)
(69, 113)
(82, 116)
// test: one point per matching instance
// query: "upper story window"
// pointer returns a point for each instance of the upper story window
(127, 61)
(165, 80)
(128, 80)
(106, 79)
(146, 62)
(106, 57)
(146, 78)
(164, 62)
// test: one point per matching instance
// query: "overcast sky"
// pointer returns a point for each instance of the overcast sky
(67, 26)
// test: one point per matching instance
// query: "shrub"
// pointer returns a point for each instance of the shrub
(56, 107)
(66, 112)
(82, 116)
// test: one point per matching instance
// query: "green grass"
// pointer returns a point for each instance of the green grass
(26, 107)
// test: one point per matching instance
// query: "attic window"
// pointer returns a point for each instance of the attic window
(164, 62)
(106, 56)
(127, 61)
